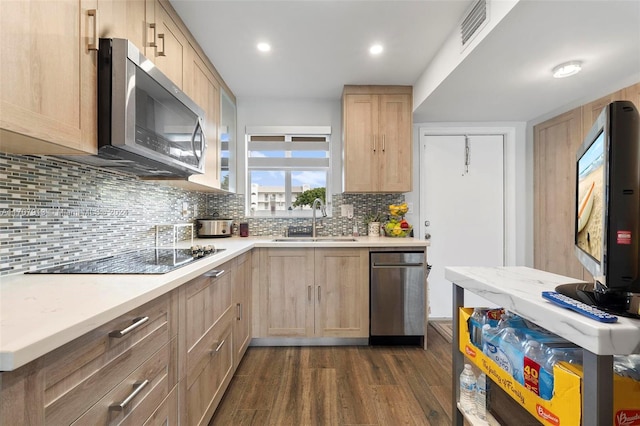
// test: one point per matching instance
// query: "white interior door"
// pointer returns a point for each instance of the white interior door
(465, 207)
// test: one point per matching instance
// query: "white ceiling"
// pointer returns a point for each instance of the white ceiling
(321, 45)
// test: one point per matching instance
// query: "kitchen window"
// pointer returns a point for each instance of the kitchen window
(284, 162)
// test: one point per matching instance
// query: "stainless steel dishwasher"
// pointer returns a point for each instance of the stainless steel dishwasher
(397, 298)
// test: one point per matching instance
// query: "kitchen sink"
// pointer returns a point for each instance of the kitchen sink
(317, 239)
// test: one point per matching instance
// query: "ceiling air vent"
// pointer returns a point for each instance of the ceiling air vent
(473, 22)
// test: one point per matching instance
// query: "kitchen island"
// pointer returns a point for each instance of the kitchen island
(518, 289)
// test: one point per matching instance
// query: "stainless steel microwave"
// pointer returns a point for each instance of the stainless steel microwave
(146, 125)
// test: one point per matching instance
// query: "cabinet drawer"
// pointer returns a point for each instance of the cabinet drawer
(208, 298)
(136, 398)
(208, 378)
(80, 373)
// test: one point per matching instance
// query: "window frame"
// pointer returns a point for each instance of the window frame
(288, 164)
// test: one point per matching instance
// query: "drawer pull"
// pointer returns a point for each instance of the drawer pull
(153, 42)
(161, 52)
(319, 294)
(239, 309)
(214, 273)
(94, 44)
(137, 388)
(217, 349)
(136, 323)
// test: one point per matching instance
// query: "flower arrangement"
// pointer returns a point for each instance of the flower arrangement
(397, 226)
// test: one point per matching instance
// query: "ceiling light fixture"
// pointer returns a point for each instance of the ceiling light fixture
(376, 49)
(567, 69)
(264, 47)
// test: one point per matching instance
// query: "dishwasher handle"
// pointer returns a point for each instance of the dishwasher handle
(397, 265)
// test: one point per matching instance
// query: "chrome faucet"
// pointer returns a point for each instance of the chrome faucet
(323, 210)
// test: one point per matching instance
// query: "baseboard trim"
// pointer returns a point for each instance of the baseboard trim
(309, 341)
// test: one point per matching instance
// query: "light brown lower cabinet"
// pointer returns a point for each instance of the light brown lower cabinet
(242, 304)
(166, 362)
(206, 342)
(322, 292)
(83, 381)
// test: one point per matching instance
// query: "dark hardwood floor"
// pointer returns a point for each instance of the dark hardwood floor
(350, 385)
(359, 385)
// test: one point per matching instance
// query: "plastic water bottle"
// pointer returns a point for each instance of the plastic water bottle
(535, 359)
(481, 397)
(467, 389)
(475, 326)
(510, 345)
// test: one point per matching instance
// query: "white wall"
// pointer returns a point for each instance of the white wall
(518, 181)
(265, 112)
(291, 112)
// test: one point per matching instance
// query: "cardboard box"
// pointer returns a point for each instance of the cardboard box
(565, 407)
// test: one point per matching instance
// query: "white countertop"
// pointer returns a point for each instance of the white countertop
(39, 313)
(518, 289)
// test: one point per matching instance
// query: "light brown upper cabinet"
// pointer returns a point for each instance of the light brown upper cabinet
(171, 46)
(48, 77)
(376, 123)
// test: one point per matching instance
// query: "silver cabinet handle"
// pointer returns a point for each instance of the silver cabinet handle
(309, 292)
(94, 44)
(153, 43)
(383, 141)
(137, 322)
(137, 388)
(319, 296)
(161, 52)
(217, 349)
(239, 310)
(373, 138)
(215, 273)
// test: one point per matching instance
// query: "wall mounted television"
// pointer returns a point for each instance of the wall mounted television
(607, 211)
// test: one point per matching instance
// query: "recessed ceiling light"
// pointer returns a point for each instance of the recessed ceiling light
(376, 49)
(264, 47)
(567, 69)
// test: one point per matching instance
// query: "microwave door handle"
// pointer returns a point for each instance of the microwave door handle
(203, 143)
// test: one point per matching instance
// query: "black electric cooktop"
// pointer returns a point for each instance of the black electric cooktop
(145, 261)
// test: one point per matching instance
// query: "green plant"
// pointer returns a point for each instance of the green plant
(306, 198)
(373, 217)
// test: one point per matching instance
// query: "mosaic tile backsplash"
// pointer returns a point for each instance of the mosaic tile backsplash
(55, 211)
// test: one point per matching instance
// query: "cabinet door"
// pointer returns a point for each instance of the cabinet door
(555, 144)
(48, 78)
(171, 46)
(202, 87)
(342, 292)
(632, 93)
(592, 110)
(205, 386)
(396, 151)
(288, 292)
(242, 302)
(123, 19)
(361, 143)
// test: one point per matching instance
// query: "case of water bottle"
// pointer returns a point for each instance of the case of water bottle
(548, 388)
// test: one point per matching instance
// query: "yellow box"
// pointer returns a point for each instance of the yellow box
(565, 407)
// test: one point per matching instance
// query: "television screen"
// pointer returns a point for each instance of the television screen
(591, 199)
